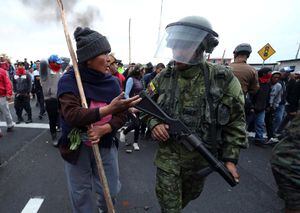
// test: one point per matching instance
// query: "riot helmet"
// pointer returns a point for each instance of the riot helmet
(186, 40)
(242, 49)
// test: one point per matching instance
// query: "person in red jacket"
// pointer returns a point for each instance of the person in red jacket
(5, 96)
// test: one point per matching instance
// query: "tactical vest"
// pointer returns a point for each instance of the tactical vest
(185, 98)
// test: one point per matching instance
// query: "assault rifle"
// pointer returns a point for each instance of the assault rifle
(191, 141)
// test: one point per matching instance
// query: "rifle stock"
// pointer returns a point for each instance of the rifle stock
(177, 127)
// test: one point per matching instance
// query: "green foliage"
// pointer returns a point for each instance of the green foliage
(75, 139)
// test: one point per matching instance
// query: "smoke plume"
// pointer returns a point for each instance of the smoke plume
(45, 11)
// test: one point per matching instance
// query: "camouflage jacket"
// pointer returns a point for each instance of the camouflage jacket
(286, 154)
(182, 95)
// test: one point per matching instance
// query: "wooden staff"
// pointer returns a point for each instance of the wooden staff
(95, 146)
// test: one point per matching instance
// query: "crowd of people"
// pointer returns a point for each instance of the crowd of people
(220, 104)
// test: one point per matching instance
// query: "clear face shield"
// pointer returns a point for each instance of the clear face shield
(180, 43)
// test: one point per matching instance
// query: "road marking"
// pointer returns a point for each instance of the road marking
(33, 205)
(30, 125)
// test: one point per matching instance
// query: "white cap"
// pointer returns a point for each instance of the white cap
(276, 72)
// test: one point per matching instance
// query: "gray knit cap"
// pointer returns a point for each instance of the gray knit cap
(90, 44)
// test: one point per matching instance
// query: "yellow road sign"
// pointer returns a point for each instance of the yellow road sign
(266, 52)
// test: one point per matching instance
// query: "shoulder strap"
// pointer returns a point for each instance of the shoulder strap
(207, 83)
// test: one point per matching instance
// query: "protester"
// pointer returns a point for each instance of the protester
(50, 75)
(26, 64)
(149, 76)
(113, 68)
(180, 90)
(120, 66)
(22, 88)
(291, 107)
(30, 72)
(133, 87)
(5, 97)
(274, 100)
(259, 104)
(105, 112)
(38, 90)
(149, 68)
(279, 112)
(4, 63)
(128, 70)
(11, 71)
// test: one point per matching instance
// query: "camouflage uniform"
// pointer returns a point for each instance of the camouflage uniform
(182, 95)
(285, 164)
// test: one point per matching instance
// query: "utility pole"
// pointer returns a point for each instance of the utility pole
(222, 60)
(297, 51)
(159, 26)
(129, 37)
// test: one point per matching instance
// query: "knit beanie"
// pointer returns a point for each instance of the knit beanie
(90, 44)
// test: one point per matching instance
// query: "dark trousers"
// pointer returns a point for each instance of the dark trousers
(22, 101)
(134, 124)
(53, 114)
(250, 121)
(269, 123)
(40, 100)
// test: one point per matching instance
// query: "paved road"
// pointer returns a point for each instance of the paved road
(32, 168)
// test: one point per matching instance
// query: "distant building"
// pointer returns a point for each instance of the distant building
(273, 66)
(293, 63)
(225, 61)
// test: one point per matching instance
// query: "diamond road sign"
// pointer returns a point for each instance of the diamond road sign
(266, 52)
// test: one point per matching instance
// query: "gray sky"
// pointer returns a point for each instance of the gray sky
(35, 33)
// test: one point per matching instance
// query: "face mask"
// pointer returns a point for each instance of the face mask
(265, 78)
(21, 71)
(55, 67)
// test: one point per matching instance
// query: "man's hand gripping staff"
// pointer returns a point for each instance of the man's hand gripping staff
(177, 128)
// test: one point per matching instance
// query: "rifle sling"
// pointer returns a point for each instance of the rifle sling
(209, 99)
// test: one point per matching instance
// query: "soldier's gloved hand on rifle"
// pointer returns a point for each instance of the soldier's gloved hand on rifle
(160, 132)
(119, 104)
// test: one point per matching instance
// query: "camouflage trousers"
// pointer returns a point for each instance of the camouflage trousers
(286, 191)
(175, 191)
(285, 164)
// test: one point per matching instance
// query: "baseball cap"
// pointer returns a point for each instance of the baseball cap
(55, 59)
(288, 69)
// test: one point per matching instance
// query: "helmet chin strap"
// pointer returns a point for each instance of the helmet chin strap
(199, 57)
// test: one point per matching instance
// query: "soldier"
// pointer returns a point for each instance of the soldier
(208, 98)
(285, 163)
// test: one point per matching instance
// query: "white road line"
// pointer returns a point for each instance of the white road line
(33, 205)
(30, 125)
